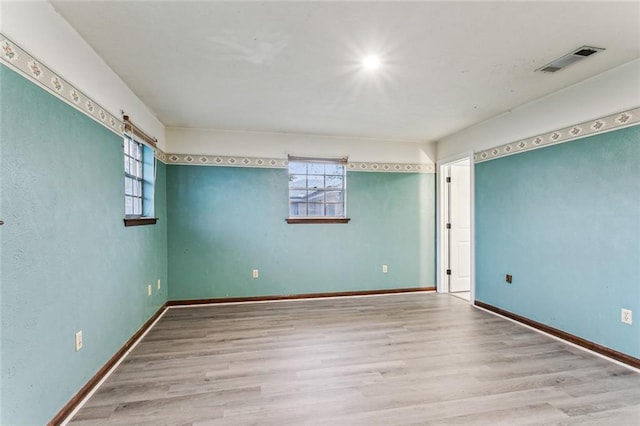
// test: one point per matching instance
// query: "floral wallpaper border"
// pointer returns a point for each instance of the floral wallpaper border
(588, 128)
(391, 167)
(282, 163)
(25, 64)
(18, 59)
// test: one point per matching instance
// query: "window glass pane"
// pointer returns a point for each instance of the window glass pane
(297, 195)
(334, 169)
(315, 168)
(138, 188)
(334, 181)
(133, 167)
(315, 181)
(297, 167)
(298, 209)
(126, 146)
(137, 206)
(297, 181)
(333, 196)
(128, 205)
(316, 196)
(315, 209)
(128, 186)
(335, 210)
(126, 164)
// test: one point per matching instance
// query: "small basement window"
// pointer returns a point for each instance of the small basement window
(139, 182)
(317, 190)
(133, 178)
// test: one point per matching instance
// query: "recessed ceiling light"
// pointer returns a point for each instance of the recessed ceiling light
(371, 62)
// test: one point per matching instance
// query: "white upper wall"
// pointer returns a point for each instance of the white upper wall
(278, 145)
(608, 93)
(41, 31)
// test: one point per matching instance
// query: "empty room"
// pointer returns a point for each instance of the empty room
(319, 213)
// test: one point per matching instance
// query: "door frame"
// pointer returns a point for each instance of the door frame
(442, 283)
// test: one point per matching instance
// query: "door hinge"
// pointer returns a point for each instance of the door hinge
(448, 271)
(448, 226)
(448, 180)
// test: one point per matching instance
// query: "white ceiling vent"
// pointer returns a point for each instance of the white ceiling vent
(568, 59)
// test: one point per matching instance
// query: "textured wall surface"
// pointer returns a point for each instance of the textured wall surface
(565, 222)
(224, 222)
(67, 261)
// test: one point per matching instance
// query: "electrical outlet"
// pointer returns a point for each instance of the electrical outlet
(149, 290)
(508, 278)
(158, 284)
(255, 274)
(385, 269)
(626, 316)
(78, 340)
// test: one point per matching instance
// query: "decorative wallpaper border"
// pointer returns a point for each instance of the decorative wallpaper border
(391, 167)
(282, 163)
(600, 125)
(26, 65)
(19, 60)
(223, 160)
(160, 155)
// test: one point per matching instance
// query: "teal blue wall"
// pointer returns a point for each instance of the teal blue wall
(67, 261)
(226, 221)
(565, 222)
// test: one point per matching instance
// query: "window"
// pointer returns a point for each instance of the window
(139, 176)
(139, 182)
(317, 190)
(133, 177)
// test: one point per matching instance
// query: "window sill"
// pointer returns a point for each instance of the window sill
(139, 221)
(299, 220)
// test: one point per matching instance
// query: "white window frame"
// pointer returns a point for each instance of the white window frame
(133, 173)
(322, 190)
(141, 172)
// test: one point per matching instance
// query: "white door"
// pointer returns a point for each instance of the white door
(460, 223)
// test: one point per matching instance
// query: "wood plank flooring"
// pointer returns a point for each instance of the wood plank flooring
(385, 360)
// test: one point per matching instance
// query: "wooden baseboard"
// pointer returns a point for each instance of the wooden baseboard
(84, 391)
(603, 350)
(296, 296)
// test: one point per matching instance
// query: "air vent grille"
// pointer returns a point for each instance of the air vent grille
(568, 59)
(585, 52)
(550, 69)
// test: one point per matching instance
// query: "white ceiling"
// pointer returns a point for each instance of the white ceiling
(294, 66)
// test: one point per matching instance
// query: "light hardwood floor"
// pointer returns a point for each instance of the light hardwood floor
(384, 360)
